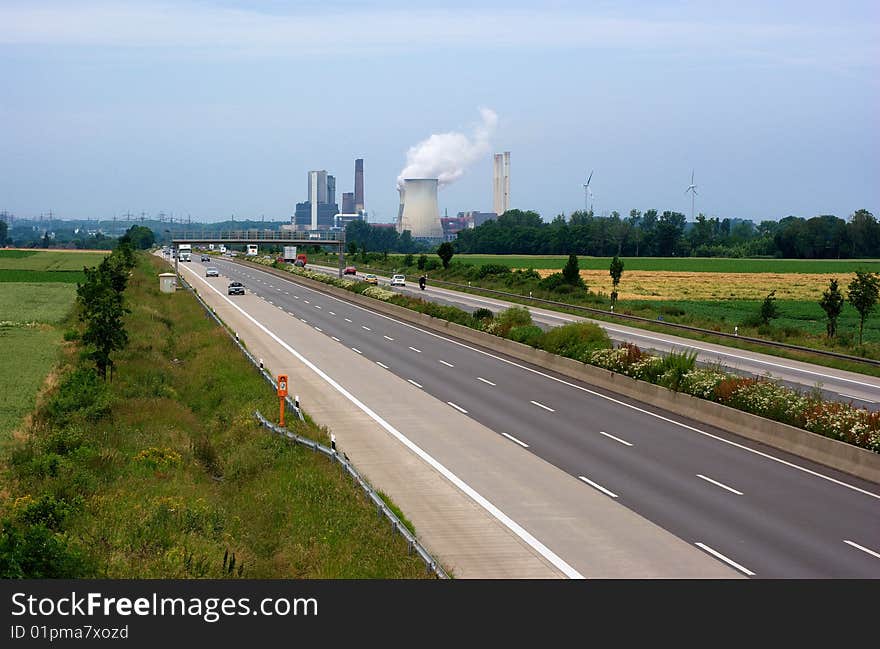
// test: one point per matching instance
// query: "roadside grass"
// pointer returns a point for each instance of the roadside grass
(178, 474)
(32, 301)
(49, 259)
(35, 350)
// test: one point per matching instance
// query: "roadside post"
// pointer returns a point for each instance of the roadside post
(282, 394)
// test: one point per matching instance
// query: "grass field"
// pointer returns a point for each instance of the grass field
(29, 354)
(681, 264)
(49, 259)
(55, 276)
(172, 472)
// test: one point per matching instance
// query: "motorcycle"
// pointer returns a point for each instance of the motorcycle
(422, 283)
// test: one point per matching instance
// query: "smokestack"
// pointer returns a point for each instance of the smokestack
(359, 185)
(501, 183)
(348, 203)
(420, 211)
(331, 189)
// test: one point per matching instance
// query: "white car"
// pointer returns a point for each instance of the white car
(212, 272)
(398, 280)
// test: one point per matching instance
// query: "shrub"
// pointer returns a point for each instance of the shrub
(492, 269)
(527, 334)
(552, 282)
(81, 394)
(482, 314)
(432, 264)
(675, 366)
(515, 316)
(408, 260)
(36, 552)
(577, 340)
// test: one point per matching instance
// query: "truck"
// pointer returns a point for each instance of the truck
(251, 249)
(184, 251)
(289, 254)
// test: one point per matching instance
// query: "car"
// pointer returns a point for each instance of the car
(350, 270)
(212, 272)
(236, 288)
(299, 263)
(371, 279)
(398, 280)
(205, 258)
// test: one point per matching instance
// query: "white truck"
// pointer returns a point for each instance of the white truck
(184, 251)
(252, 249)
(289, 253)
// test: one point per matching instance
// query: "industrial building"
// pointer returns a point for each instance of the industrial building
(419, 210)
(501, 183)
(318, 212)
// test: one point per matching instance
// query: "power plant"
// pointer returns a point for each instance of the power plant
(419, 208)
(501, 183)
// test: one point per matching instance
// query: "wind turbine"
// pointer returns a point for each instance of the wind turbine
(588, 193)
(692, 188)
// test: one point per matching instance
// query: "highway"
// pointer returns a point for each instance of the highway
(763, 512)
(839, 385)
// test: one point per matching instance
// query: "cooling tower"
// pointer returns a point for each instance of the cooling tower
(420, 213)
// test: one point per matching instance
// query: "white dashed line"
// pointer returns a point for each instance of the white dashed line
(514, 439)
(347, 320)
(447, 364)
(616, 439)
(541, 405)
(486, 381)
(862, 548)
(331, 313)
(388, 338)
(418, 351)
(599, 487)
(718, 484)
(418, 385)
(318, 329)
(306, 301)
(459, 408)
(718, 555)
(355, 349)
(365, 327)
(336, 339)
(382, 365)
(317, 306)
(304, 320)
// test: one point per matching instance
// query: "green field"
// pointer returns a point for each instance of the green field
(34, 350)
(48, 259)
(48, 303)
(55, 276)
(681, 264)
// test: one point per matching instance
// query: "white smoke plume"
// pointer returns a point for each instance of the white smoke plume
(446, 155)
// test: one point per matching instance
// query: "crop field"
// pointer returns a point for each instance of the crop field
(35, 350)
(23, 302)
(681, 264)
(49, 260)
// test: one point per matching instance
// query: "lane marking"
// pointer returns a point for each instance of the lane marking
(317, 306)
(380, 364)
(718, 484)
(306, 301)
(304, 320)
(599, 487)
(447, 364)
(318, 329)
(336, 339)
(862, 548)
(616, 439)
(365, 327)
(388, 338)
(459, 408)
(605, 397)
(469, 491)
(355, 349)
(488, 382)
(852, 396)
(418, 351)
(296, 296)
(541, 405)
(347, 320)
(414, 383)
(718, 555)
(331, 313)
(514, 439)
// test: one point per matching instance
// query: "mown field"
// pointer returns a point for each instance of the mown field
(681, 264)
(49, 259)
(44, 302)
(164, 473)
(29, 355)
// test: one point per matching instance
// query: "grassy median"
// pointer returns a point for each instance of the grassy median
(163, 472)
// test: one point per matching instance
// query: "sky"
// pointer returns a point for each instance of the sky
(213, 109)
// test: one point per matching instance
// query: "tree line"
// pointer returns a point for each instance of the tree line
(655, 234)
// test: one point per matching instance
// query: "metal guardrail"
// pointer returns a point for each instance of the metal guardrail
(382, 509)
(662, 323)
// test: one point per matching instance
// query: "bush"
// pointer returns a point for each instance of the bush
(675, 366)
(408, 260)
(577, 340)
(482, 314)
(432, 264)
(552, 282)
(492, 269)
(527, 334)
(515, 316)
(36, 552)
(81, 394)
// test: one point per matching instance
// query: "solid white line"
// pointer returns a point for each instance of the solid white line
(862, 548)
(336, 339)
(616, 439)
(541, 405)
(459, 408)
(318, 329)
(514, 439)
(718, 555)
(414, 383)
(481, 500)
(356, 350)
(480, 378)
(347, 320)
(447, 364)
(718, 484)
(852, 396)
(365, 327)
(599, 487)
(418, 351)
(388, 338)
(607, 398)
(382, 365)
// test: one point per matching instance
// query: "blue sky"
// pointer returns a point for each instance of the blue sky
(220, 108)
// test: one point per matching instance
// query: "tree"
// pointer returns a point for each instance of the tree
(102, 309)
(769, 310)
(832, 304)
(352, 248)
(863, 291)
(141, 237)
(3, 229)
(571, 272)
(422, 261)
(616, 271)
(445, 252)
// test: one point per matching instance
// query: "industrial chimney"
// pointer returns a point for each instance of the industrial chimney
(420, 210)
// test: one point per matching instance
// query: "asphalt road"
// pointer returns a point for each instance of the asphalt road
(839, 385)
(764, 512)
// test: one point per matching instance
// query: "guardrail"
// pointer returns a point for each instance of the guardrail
(662, 323)
(382, 509)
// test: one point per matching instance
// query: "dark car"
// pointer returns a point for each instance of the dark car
(205, 258)
(236, 288)
(350, 270)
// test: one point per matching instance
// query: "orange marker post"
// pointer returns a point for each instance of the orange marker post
(282, 393)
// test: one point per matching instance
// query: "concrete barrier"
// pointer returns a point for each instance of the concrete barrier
(833, 453)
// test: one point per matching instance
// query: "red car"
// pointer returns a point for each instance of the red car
(350, 270)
